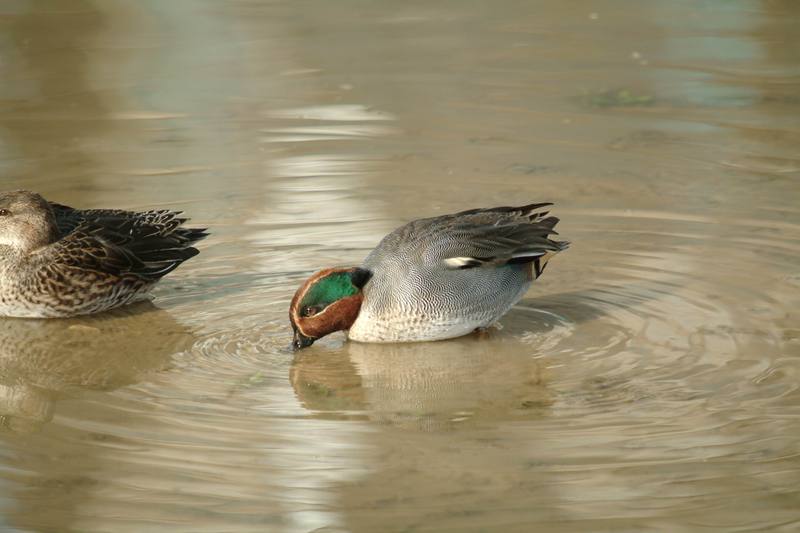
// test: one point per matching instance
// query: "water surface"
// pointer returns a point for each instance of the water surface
(648, 382)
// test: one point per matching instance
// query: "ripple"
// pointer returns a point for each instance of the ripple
(635, 353)
(341, 112)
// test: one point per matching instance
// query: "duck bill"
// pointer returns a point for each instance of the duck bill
(301, 341)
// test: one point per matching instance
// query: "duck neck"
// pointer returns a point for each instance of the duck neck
(349, 308)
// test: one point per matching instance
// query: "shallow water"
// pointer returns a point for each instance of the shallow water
(649, 381)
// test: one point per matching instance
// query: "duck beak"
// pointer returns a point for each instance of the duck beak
(301, 341)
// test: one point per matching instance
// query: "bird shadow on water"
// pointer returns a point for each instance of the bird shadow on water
(501, 374)
(43, 361)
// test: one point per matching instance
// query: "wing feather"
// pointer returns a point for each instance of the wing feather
(492, 237)
(147, 244)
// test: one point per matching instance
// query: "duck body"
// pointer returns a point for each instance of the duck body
(434, 278)
(56, 261)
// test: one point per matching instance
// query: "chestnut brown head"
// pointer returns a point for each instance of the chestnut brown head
(328, 301)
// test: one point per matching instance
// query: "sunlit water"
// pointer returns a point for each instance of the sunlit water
(649, 381)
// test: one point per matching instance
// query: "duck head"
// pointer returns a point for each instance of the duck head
(27, 221)
(328, 301)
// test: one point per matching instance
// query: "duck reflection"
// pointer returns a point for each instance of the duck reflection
(501, 374)
(428, 386)
(42, 361)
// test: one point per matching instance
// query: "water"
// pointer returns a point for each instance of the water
(649, 381)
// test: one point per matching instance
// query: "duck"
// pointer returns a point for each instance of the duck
(57, 261)
(431, 279)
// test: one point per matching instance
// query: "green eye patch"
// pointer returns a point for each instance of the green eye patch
(329, 289)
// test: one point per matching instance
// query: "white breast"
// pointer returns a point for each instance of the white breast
(369, 328)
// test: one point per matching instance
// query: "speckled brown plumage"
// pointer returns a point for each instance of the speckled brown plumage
(56, 261)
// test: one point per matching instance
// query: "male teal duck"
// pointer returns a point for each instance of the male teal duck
(56, 261)
(431, 279)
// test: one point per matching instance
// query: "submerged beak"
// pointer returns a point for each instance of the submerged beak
(301, 341)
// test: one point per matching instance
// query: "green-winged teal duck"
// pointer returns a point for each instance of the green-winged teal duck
(434, 278)
(56, 261)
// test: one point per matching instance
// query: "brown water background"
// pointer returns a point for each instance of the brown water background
(650, 381)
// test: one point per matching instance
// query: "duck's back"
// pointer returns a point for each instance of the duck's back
(156, 239)
(445, 276)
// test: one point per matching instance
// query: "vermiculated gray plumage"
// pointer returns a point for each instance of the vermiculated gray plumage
(57, 261)
(445, 276)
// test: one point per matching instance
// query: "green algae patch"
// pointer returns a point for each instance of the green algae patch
(618, 98)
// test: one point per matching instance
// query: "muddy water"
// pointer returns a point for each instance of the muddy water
(649, 381)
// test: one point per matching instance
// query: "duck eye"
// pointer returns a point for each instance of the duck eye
(310, 310)
(4, 212)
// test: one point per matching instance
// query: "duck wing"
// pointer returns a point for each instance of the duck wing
(142, 224)
(476, 238)
(149, 244)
